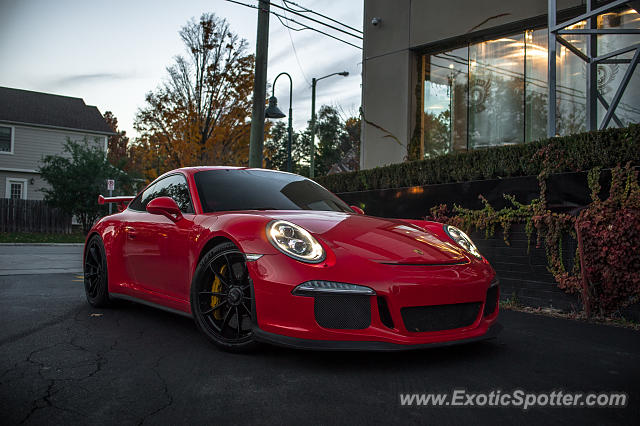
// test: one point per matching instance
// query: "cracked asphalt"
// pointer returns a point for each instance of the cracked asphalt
(63, 362)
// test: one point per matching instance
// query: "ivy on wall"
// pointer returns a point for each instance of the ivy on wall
(606, 271)
(578, 152)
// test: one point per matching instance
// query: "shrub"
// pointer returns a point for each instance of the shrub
(609, 233)
(583, 151)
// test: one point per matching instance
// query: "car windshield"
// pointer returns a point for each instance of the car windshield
(241, 189)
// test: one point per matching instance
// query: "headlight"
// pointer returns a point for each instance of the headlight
(462, 240)
(295, 241)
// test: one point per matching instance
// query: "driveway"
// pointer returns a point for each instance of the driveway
(21, 259)
(64, 362)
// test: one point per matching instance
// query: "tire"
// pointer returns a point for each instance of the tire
(222, 299)
(96, 276)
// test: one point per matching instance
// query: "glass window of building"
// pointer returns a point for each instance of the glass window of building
(496, 92)
(571, 85)
(535, 85)
(610, 75)
(444, 118)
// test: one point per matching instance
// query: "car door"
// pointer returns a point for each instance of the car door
(156, 247)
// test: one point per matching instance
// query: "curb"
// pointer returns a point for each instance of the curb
(8, 273)
(44, 244)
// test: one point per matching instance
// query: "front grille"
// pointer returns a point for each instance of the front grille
(492, 301)
(440, 317)
(352, 312)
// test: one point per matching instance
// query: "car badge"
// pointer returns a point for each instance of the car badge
(416, 251)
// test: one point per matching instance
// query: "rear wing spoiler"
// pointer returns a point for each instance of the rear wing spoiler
(122, 202)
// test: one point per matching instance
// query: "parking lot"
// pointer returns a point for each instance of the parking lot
(64, 362)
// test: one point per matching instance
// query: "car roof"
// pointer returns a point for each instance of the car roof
(195, 169)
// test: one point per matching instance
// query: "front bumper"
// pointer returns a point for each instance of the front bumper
(346, 345)
(292, 320)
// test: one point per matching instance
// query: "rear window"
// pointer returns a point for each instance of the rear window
(238, 189)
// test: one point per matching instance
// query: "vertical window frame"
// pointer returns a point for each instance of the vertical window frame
(11, 141)
(10, 180)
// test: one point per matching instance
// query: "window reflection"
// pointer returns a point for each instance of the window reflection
(444, 120)
(571, 95)
(536, 87)
(610, 75)
(496, 92)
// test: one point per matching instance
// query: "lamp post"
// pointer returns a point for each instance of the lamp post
(273, 111)
(314, 81)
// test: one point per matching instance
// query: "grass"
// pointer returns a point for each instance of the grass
(36, 237)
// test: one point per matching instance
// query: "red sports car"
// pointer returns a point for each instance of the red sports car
(263, 256)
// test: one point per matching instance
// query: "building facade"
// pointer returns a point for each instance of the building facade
(441, 77)
(34, 125)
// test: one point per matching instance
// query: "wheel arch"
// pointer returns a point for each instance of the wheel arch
(211, 243)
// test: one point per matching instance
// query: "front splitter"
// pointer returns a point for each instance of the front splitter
(350, 345)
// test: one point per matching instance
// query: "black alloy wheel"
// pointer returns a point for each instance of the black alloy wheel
(95, 273)
(222, 298)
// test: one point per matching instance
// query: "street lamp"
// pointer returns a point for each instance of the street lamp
(314, 81)
(273, 111)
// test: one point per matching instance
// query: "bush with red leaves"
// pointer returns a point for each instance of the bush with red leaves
(610, 233)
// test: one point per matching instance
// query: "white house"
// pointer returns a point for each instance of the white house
(33, 125)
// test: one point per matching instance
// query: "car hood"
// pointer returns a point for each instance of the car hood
(377, 239)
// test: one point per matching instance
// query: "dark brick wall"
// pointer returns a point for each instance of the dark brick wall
(524, 275)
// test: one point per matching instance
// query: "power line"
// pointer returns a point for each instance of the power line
(306, 10)
(295, 52)
(305, 27)
(302, 15)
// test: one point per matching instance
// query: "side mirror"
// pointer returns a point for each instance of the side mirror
(357, 209)
(165, 206)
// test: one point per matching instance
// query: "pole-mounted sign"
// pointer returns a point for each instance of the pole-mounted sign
(111, 184)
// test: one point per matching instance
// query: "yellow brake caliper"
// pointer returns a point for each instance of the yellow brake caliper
(216, 286)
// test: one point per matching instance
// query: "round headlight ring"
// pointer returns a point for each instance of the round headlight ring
(291, 239)
(463, 240)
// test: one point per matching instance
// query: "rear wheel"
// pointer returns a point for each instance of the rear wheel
(95, 273)
(222, 298)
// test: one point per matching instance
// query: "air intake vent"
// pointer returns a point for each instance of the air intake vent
(492, 301)
(347, 312)
(440, 317)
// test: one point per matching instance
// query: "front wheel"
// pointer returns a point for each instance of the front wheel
(221, 298)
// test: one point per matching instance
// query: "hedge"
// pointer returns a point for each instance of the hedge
(583, 151)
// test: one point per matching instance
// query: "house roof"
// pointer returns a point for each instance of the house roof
(44, 109)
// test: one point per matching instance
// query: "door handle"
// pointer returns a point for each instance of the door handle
(130, 231)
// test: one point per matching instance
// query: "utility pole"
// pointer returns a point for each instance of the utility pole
(312, 166)
(259, 86)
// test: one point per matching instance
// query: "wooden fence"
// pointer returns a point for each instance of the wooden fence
(32, 216)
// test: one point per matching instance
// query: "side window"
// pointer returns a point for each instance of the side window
(137, 204)
(174, 186)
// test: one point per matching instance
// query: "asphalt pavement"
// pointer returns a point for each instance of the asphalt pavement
(64, 362)
(21, 259)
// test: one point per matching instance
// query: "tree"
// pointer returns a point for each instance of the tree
(117, 145)
(339, 144)
(338, 141)
(201, 113)
(77, 177)
(276, 149)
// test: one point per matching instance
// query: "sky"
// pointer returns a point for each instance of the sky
(112, 52)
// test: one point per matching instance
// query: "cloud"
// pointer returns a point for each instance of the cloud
(93, 78)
